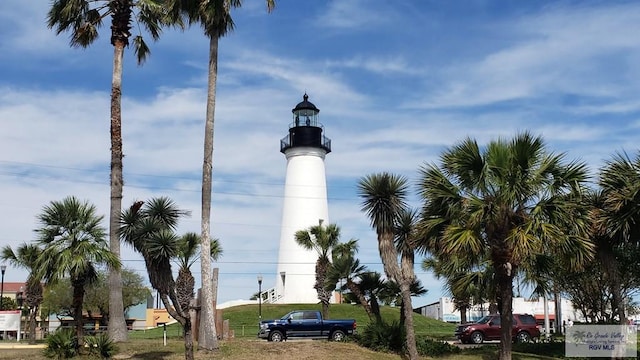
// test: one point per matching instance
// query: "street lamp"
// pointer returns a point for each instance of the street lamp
(260, 297)
(3, 268)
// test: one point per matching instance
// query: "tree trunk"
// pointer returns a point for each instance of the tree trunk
(405, 288)
(375, 308)
(77, 300)
(463, 314)
(33, 313)
(117, 324)
(207, 336)
(353, 287)
(170, 302)
(188, 340)
(504, 275)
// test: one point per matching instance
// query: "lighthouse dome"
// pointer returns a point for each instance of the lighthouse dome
(305, 104)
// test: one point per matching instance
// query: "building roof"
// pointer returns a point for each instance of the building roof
(12, 287)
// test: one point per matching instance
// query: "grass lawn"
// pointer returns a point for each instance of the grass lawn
(243, 320)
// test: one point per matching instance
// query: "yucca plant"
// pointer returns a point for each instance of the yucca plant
(62, 344)
(101, 346)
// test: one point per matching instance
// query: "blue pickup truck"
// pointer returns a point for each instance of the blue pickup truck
(308, 324)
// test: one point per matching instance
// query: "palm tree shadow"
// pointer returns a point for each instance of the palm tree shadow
(153, 355)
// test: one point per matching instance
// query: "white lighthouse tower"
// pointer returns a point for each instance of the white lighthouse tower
(305, 203)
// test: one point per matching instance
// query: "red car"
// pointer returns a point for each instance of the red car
(488, 328)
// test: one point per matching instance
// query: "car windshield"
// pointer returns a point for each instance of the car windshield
(485, 320)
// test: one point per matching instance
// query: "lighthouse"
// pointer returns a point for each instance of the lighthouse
(305, 203)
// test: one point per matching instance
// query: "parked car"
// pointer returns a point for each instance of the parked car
(488, 328)
(306, 323)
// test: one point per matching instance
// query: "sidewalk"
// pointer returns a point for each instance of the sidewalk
(20, 345)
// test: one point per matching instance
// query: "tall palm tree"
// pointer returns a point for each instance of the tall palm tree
(322, 239)
(26, 256)
(384, 200)
(73, 244)
(150, 228)
(506, 202)
(83, 18)
(215, 18)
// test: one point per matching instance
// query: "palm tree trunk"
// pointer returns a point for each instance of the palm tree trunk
(188, 340)
(353, 287)
(375, 308)
(608, 259)
(207, 336)
(184, 319)
(117, 324)
(77, 300)
(504, 275)
(33, 313)
(405, 289)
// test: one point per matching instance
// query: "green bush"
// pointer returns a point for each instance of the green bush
(433, 348)
(101, 346)
(62, 344)
(380, 336)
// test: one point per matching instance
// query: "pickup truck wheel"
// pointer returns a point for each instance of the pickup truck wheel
(337, 335)
(477, 337)
(276, 336)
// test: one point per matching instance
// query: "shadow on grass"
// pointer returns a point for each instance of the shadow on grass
(151, 355)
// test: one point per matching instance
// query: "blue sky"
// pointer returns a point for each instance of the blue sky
(396, 82)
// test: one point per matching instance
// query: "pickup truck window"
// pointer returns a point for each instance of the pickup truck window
(296, 315)
(310, 315)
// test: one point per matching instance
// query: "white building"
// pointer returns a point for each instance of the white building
(305, 205)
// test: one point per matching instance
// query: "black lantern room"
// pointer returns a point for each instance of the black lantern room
(305, 130)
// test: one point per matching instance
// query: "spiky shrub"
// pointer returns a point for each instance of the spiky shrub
(101, 346)
(62, 344)
(380, 336)
(436, 348)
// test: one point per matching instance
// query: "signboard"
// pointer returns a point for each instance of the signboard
(10, 320)
(611, 341)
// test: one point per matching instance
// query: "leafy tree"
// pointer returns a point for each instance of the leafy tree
(322, 239)
(134, 292)
(26, 256)
(150, 228)
(504, 203)
(58, 298)
(384, 200)
(73, 245)
(83, 19)
(215, 18)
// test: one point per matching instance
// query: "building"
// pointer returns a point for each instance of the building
(305, 205)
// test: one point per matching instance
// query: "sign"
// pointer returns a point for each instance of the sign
(10, 320)
(611, 341)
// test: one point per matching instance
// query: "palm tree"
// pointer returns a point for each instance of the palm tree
(345, 266)
(188, 254)
(322, 239)
(384, 201)
(504, 203)
(215, 18)
(616, 215)
(150, 228)
(372, 286)
(26, 256)
(73, 245)
(83, 18)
